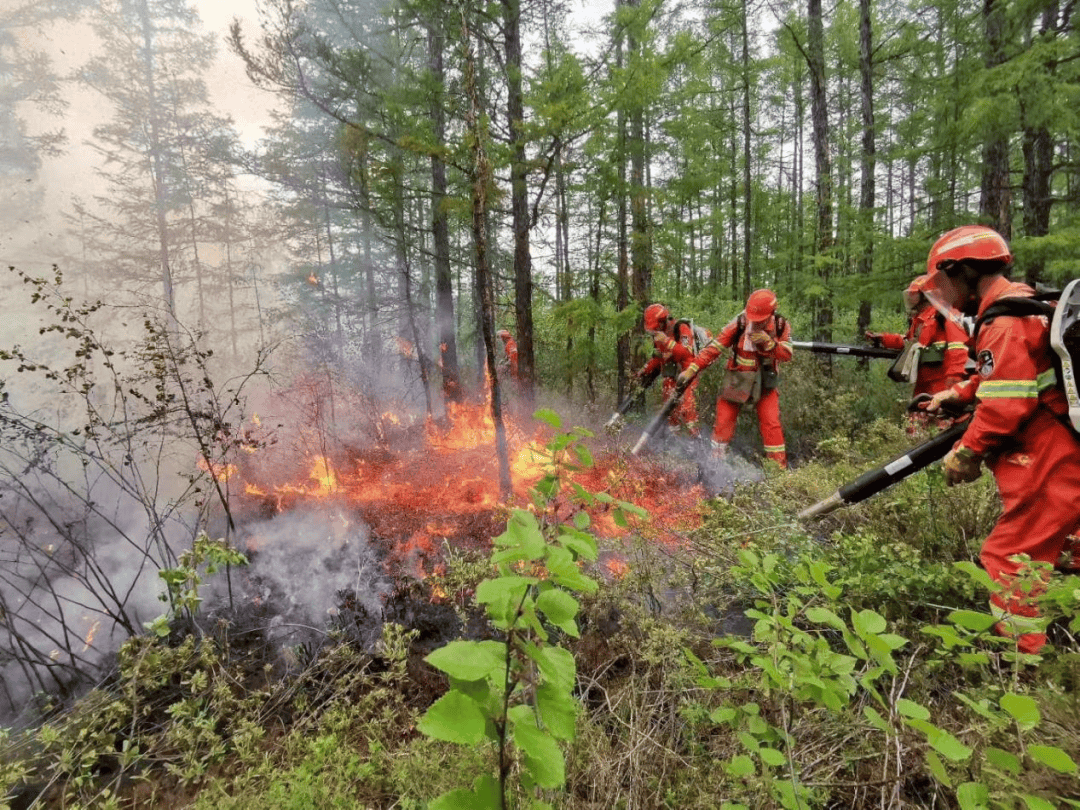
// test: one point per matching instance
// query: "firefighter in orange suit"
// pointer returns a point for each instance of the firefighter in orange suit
(934, 352)
(510, 352)
(1018, 427)
(760, 339)
(941, 343)
(673, 351)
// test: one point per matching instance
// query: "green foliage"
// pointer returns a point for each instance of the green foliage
(182, 582)
(517, 693)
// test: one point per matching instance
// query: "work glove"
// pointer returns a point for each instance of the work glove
(762, 341)
(874, 338)
(937, 400)
(686, 376)
(961, 466)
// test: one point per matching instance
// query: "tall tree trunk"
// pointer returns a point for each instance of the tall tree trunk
(995, 203)
(624, 362)
(156, 150)
(819, 114)
(868, 160)
(748, 221)
(440, 225)
(640, 246)
(1038, 148)
(481, 182)
(519, 199)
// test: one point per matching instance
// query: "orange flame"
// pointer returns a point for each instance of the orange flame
(220, 470)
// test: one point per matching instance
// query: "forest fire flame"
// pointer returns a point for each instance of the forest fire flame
(438, 487)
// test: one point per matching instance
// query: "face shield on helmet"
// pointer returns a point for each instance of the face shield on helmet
(656, 317)
(913, 295)
(760, 305)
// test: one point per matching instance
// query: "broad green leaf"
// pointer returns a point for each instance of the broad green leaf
(502, 589)
(1003, 760)
(1053, 757)
(972, 620)
(868, 622)
(582, 545)
(937, 768)
(557, 605)
(973, 796)
(820, 615)
(724, 714)
(469, 660)
(582, 519)
(875, 718)
(1023, 709)
(584, 456)
(948, 746)
(557, 666)
(454, 718)
(976, 573)
(1035, 803)
(770, 756)
(909, 708)
(981, 708)
(941, 741)
(549, 416)
(543, 758)
(741, 766)
(558, 711)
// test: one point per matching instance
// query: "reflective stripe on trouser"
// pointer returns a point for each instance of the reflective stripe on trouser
(768, 413)
(685, 412)
(1039, 485)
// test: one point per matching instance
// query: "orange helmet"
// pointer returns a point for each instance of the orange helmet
(967, 242)
(760, 305)
(914, 292)
(654, 314)
(503, 333)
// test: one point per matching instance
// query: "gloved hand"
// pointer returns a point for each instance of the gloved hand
(934, 403)
(874, 338)
(762, 341)
(961, 466)
(686, 376)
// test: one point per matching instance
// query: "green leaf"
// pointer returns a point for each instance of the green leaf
(770, 756)
(557, 605)
(1035, 803)
(543, 759)
(973, 796)
(1023, 709)
(909, 708)
(1053, 757)
(868, 622)
(557, 666)
(469, 660)
(976, 573)
(937, 768)
(582, 519)
(741, 766)
(941, 741)
(582, 546)
(1003, 760)
(584, 456)
(454, 718)
(549, 416)
(558, 711)
(503, 589)
(875, 718)
(820, 615)
(484, 796)
(972, 620)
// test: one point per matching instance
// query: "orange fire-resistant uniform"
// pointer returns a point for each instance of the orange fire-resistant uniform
(746, 357)
(511, 353)
(944, 350)
(673, 351)
(1019, 428)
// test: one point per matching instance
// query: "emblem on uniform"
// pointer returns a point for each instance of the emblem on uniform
(986, 363)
